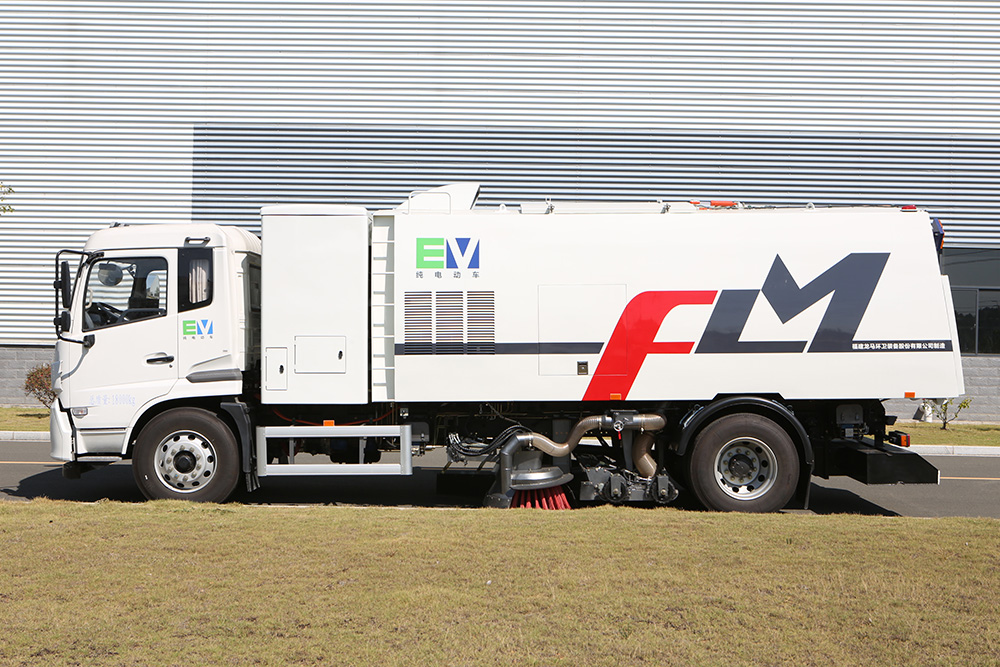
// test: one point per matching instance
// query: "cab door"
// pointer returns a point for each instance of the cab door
(129, 308)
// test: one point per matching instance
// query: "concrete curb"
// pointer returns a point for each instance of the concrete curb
(25, 435)
(952, 450)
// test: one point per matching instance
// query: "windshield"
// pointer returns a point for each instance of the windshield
(124, 290)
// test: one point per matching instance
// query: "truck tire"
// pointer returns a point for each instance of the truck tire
(187, 454)
(744, 463)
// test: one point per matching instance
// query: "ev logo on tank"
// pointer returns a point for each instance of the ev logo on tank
(447, 253)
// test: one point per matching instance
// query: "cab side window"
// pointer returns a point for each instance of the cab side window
(122, 290)
(194, 279)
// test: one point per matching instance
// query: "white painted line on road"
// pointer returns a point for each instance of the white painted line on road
(976, 479)
(30, 463)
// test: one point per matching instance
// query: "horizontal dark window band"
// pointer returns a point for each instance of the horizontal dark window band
(404, 349)
(497, 348)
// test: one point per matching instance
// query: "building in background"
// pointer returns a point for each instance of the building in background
(144, 112)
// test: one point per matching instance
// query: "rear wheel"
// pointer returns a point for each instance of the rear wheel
(743, 462)
(186, 453)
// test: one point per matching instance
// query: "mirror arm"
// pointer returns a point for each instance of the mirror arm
(61, 321)
(87, 342)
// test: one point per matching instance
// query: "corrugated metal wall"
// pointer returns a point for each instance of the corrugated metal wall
(164, 111)
(238, 167)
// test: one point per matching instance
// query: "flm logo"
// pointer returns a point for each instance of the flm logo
(851, 282)
(443, 253)
(197, 327)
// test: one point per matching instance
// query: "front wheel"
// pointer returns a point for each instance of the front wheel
(744, 463)
(188, 454)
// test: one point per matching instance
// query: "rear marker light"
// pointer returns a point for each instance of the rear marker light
(899, 438)
(910, 394)
(908, 207)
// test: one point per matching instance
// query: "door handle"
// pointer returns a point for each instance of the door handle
(165, 359)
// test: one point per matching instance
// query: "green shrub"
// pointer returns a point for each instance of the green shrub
(38, 383)
(942, 410)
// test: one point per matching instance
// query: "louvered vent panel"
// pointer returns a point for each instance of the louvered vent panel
(481, 322)
(449, 323)
(418, 331)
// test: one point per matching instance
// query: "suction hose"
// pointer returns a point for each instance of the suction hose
(641, 457)
(559, 449)
(646, 423)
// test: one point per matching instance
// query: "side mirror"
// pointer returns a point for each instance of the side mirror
(109, 274)
(65, 288)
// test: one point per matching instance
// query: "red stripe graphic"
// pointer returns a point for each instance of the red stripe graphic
(632, 341)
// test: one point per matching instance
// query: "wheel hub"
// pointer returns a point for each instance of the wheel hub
(185, 461)
(745, 468)
(740, 465)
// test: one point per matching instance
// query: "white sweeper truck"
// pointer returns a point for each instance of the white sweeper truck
(574, 352)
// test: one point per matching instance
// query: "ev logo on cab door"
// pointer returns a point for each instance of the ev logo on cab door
(197, 328)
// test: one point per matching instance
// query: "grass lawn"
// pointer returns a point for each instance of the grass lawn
(24, 419)
(170, 583)
(957, 433)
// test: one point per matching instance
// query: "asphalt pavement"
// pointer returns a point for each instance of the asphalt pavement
(970, 486)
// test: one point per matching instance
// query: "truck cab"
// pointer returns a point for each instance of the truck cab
(155, 313)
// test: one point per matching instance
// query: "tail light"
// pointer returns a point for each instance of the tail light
(938, 234)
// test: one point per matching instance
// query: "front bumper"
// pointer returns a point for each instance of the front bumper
(61, 433)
